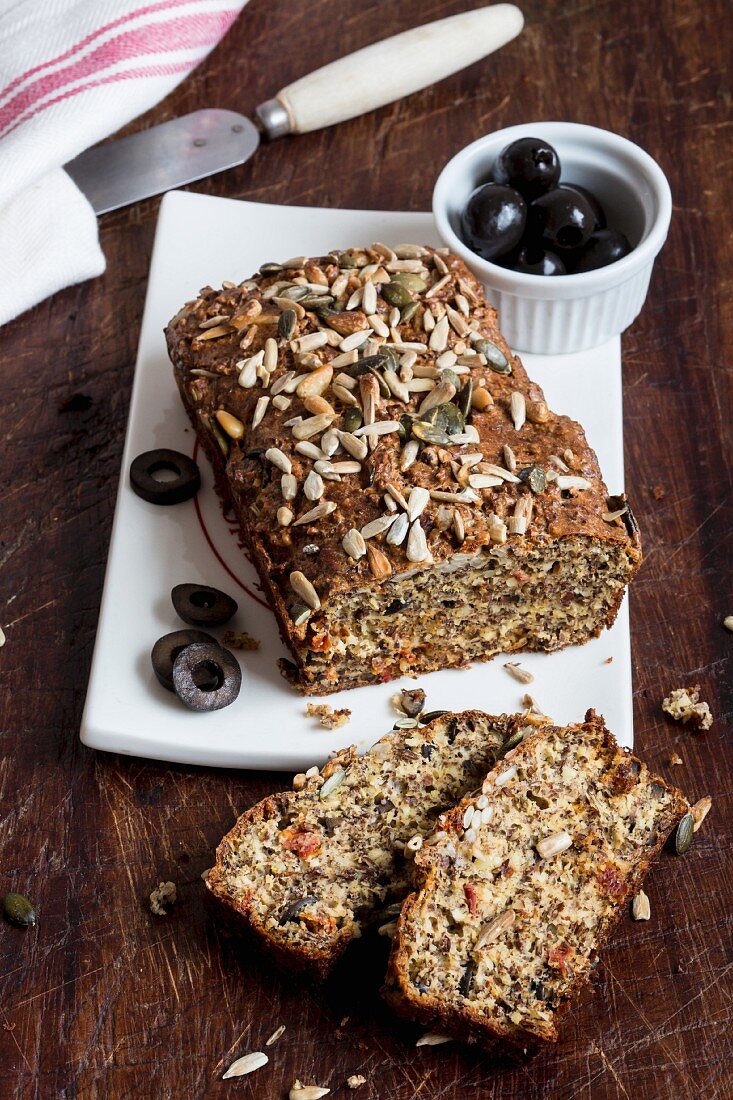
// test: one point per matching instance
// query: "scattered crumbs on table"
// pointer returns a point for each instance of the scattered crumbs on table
(327, 717)
(684, 705)
(356, 1080)
(275, 1036)
(675, 758)
(164, 894)
(240, 640)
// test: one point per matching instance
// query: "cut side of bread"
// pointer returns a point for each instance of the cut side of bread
(308, 870)
(522, 884)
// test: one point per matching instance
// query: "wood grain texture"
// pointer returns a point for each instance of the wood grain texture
(104, 1000)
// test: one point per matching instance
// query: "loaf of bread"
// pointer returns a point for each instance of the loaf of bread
(404, 492)
(522, 884)
(308, 869)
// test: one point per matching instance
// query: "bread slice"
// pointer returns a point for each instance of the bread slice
(307, 870)
(522, 885)
(408, 498)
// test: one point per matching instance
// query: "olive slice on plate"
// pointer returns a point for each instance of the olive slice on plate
(167, 648)
(206, 676)
(184, 484)
(200, 605)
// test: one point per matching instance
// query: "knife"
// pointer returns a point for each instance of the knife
(194, 146)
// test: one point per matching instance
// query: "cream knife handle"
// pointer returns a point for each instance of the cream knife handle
(388, 70)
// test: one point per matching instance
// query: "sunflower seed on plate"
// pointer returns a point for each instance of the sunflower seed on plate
(518, 672)
(354, 545)
(248, 1064)
(302, 587)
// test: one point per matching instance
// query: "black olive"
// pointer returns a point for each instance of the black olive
(535, 260)
(595, 205)
(605, 247)
(563, 217)
(183, 486)
(494, 220)
(200, 605)
(530, 165)
(167, 648)
(206, 676)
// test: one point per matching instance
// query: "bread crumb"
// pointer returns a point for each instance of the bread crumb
(356, 1080)
(608, 661)
(700, 811)
(728, 622)
(659, 492)
(241, 640)
(675, 758)
(327, 717)
(683, 704)
(164, 894)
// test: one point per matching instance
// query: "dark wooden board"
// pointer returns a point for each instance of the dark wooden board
(104, 1000)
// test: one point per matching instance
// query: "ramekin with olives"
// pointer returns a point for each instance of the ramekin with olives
(525, 218)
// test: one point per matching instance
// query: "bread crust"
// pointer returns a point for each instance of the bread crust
(470, 1024)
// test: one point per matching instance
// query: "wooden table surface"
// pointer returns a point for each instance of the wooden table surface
(102, 999)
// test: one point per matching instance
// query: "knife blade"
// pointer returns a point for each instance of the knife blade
(197, 145)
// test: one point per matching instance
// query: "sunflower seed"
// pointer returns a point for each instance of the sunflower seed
(355, 339)
(495, 928)
(468, 496)
(564, 482)
(700, 811)
(554, 845)
(248, 373)
(303, 588)
(382, 427)
(509, 458)
(307, 1092)
(439, 336)
(233, 427)
(459, 526)
(309, 450)
(439, 395)
(319, 512)
(335, 780)
(518, 672)
(285, 516)
(248, 1064)
(260, 410)
(286, 324)
(279, 459)
(640, 908)
(343, 395)
(417, 502)
(518, 409)
(684, 833)
(398, 388)
(397, 532)
(275, 1035)
(356, 447)
(313, 425)
(289, 486)
(409, 454)
(484, 481)
(294, 262)
(313, 486)
(354, 545)
(432, 1039)
(377, 526)
(417, 545)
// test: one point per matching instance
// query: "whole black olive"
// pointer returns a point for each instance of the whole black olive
(534, 260)
(494, 220)
(563, 217)
(604, 247)
(596, 206)
(529, 165)
(200, 605)
(184, 484)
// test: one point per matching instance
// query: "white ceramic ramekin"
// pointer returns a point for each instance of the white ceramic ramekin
(556, 314)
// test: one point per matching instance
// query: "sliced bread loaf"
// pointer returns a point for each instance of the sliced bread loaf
(523, 883)
(307, 870)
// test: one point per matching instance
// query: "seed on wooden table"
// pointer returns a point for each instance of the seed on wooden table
(278, 1031)
(432, 1039)
(248, 1064)
(683, 835)
(700, 811)
(303, 588)
(307, 1092)
(233, 427)
(640, 908)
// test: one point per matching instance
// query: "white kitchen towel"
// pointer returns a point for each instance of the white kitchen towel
(71, 73)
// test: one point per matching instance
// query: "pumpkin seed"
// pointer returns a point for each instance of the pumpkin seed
(18, 910)
(270, 269)
(535, 477)
(410, 281)
(684, 834)
(513, 741)
(448, 375)
(497, 360)
(351, 420)
(332, 783)
(431, 715)
(286, 324)
(396, 294)
(428, 433)
(464, 397)
(295, 293)
(409, 312)
(300, 613)
(447, 417)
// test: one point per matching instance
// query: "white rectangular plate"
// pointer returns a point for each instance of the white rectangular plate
(204, 240)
